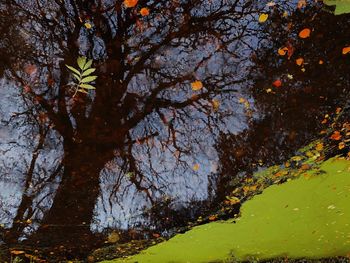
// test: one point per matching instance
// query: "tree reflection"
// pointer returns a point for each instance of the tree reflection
(294, 113)
(144, 132)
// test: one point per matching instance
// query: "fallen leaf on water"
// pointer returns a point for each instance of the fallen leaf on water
(341, 145)
(305, 33)
(130, 3)
(346, 50)
(299, 61)
(88, 25)
(196, 167)
(301, 4)
(319, 147)
(212, 218)
(144, 11)
(277, 83)
(216, 104)
(282, 51)
(336, 136)
(197, 85)
(263, 17)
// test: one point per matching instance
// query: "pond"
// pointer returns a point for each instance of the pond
(191, 97)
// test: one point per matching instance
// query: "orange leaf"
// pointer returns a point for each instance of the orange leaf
(130, 3)
(320, 62)
(301, 4)
(144, 11)
(305, 33)
(341, 145)
(277, 83)
(196, 167)
(336, 136)
(212, 218)
(282, 51)
(346, 50)
(299, 61)
(319, 147)
(197, 85)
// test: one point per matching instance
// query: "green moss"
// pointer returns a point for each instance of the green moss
(304, 218)
(342, 6)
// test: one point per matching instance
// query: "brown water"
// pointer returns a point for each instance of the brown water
(144, 153)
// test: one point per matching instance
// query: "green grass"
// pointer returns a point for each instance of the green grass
(308, 217)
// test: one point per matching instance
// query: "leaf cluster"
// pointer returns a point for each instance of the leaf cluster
(83, 75)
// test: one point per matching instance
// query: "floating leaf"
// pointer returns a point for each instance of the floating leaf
(144, 11)
(88, 79)
(216, 104)
(341, 145)
(197, 85)
(282, 51)
(196, 167)
(277, 83)
(346, 50)
(263, 17)
(305, 33)
(88, 25)
(130, 3)
(336, 136)
(299, 61)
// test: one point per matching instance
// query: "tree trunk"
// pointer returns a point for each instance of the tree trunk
(68, 220)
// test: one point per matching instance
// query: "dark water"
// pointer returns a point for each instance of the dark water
(144, 153)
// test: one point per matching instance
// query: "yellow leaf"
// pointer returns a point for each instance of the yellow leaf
(319, 147)
(263, 17)
(88, 25)
(196, 167)
(197, 85)
(341, 145)
(216, 104)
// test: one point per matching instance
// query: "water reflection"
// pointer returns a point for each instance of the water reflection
(144, 146)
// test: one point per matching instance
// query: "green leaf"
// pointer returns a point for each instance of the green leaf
(342, 6)
(88, 71)
(83, 91)
(86, 86)
(73, 69)
(81, 62)
(88, 79)
(88, 64)
(77, 77)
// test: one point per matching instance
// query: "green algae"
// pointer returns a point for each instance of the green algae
(308, 217)
(342, 6)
